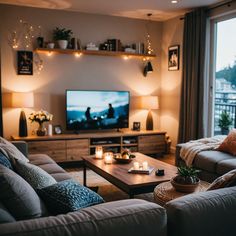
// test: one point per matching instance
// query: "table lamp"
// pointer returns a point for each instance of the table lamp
(22, 100)
(149, 103)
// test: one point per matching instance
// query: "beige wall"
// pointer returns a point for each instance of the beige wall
(171, 80)
(88, 72)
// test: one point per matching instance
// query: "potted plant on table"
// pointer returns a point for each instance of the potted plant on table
(225, 122)
(62, 36)
(40, 117)
(186, 181)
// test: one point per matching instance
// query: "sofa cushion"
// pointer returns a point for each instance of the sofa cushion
(5, 161)
(5, 216)
(18, 196)
(67, 196)
(226, 180)
(10, 151)
(226, 166)
(61, 176)
(34, 175)
(207, 160)
(229, 144)
(40, 159)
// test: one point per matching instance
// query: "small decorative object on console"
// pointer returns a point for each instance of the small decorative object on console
(186, 181)
(57, 129)
(40, 117)
(136, 126)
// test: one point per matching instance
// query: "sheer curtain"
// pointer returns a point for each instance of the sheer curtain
(192, 123)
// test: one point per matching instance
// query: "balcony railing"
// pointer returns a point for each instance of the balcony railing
(224, 102)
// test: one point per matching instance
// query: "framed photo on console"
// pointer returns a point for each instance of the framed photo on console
(173, 58)
(57, 129)
(136, 126)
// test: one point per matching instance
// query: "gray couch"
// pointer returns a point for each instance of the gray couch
(211, 163)
(209, 213)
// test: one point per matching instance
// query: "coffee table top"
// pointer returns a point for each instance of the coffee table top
(119, 172)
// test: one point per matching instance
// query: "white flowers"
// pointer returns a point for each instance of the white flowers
(40, 116)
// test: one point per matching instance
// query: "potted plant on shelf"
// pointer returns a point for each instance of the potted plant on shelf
(186, 181)
(40, 117)
(225, 122)
(62, 36)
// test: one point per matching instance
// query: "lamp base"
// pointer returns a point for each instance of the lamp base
(149, 121)
(23, 132)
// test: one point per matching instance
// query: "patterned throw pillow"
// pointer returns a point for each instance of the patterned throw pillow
(67, 196)
(224, 181)
(5, 161)
(34, 175)
(10, 151)
(229, 144)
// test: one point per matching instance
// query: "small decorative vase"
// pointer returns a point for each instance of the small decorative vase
(62, 44)
(41, 130)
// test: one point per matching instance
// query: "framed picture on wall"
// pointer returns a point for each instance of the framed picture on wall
(173, 58)
(24, 63)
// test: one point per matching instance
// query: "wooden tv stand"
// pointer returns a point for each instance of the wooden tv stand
(70, 147)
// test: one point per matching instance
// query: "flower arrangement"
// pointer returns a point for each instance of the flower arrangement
(40, 116)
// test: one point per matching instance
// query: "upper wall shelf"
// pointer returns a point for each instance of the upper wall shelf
(97, 53)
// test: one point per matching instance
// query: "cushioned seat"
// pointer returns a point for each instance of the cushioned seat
(208, 160)
(40, 159)
(226, 166)
(61, 176)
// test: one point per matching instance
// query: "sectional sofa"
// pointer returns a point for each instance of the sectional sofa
(209, 213)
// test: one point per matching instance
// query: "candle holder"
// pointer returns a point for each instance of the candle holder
(99, 152)
(108, 156)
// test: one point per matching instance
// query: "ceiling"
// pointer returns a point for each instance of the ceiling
(161, 9)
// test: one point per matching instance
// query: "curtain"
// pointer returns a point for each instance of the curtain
(192, 125)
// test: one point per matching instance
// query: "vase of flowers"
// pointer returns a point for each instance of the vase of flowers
(40, 117)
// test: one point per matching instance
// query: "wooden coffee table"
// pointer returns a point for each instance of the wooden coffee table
(132, 184)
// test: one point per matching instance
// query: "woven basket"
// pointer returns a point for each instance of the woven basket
(184, 188)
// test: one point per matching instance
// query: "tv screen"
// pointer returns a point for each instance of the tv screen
(91, 110)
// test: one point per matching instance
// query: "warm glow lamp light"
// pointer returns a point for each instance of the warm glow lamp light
(149, 103)
(22, 100)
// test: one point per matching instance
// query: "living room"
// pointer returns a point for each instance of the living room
(158, 70)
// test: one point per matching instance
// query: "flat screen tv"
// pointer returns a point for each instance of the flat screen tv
(92, 110)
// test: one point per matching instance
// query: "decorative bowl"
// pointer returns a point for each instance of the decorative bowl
(184, 188)
(119, 159)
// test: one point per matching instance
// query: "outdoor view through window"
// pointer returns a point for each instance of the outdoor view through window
(225, 83)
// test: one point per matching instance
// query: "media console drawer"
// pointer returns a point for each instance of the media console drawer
(77, 148)
(55, 149)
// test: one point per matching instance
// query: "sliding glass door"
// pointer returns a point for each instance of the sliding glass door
(224, 76)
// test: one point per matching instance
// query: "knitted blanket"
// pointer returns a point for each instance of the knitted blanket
(190, 149)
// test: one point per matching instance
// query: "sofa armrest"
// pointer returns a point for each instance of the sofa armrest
(178, 159)
(126, 217)
(22, 146)
(205, 213)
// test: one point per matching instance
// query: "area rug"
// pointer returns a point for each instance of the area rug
(107, 190)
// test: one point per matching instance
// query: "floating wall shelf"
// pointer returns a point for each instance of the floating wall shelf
(96, 53)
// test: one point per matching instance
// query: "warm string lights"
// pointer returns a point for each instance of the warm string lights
(148, 38)
(23, 39)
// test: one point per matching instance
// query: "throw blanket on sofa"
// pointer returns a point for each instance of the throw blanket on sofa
(190, 149)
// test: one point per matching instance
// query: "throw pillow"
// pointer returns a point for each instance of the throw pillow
(18, 196)
(67, 196)
(224, 181)
(34, 175)
(5, 216)
(5, 161)
(229, 144)
(10, 151)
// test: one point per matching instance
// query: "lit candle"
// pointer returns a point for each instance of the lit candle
(136, 165)
(99, 152)
(108, 157)
(145, 165)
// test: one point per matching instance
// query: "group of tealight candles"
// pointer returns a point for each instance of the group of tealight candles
(137, 166)
(108, 157)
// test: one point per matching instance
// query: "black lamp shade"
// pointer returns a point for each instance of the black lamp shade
(23, 132)
(147, 69)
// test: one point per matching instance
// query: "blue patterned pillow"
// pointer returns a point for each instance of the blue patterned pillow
(5, 161)
(67, 196)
